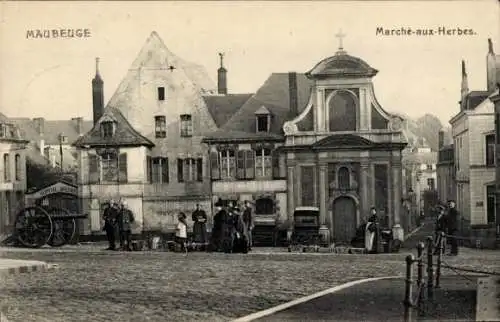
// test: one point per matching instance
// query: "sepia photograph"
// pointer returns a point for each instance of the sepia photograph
(249, 161)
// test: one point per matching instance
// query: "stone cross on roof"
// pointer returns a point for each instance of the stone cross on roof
(340, 36)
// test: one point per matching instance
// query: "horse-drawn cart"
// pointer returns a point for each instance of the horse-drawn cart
(36, 226)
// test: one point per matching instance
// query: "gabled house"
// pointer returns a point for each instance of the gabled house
(12, 173)
(145, 146)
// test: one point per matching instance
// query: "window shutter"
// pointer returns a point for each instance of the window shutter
(122, 167)
(164, 171)
(275, 159)
(149, 169)
(94, 169)
(215, 165)
(180, 170)
(240, 164)
(199, 169)
(250, 164)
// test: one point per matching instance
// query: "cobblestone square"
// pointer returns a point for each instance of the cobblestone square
(95, 285)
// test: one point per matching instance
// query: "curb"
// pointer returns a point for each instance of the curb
(284, 306)
(42, 267)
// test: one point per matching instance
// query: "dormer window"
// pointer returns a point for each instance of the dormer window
(63, 139)
(107, 129)
(161, 93)
(263, 120)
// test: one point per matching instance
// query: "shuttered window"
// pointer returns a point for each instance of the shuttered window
(159, 170)
(263, 163)
(94, 169)
(228, 164)
(275, 158)
(122, 168)
(245, 164)
(199, 169)
(180, 170)
(214, 166)
(6, 167)
(149, 169)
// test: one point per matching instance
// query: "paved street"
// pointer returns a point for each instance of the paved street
(96, 285)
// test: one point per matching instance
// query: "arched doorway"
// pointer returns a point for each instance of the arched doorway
(344, 219)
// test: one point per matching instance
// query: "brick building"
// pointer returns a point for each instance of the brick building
(145, 146)
(473, 130)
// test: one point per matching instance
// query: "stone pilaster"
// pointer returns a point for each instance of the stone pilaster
(396, 200)
(322, 193)
(323, 189)
(365, 187)
(290, 182)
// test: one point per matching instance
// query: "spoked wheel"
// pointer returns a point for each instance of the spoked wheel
(64, 229)
(33, 227)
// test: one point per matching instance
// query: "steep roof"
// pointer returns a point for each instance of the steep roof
(222, 107)
(51, 129)
(154, 55)
(274, 96)
(125, 134)
(474, 98)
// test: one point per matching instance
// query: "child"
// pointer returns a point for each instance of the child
(181, 232)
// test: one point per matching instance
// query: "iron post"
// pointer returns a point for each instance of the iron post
(430, 269)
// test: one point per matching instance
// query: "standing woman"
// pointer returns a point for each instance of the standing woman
(371, 237)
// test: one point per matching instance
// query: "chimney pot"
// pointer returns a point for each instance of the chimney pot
(222, 77)
(39, 124)
(441, 139)
(78, 124)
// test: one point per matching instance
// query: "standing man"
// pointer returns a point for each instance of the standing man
(371, 232)
(125, 219)
(441, 226)
(452, 221)
(219, 218)
(199, 217)
(248, 219)
(110, 215)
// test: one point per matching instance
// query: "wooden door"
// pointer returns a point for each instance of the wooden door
(344, 219)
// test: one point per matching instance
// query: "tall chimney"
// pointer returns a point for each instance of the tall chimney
(222, 77)
(491, 70)
(78, 124)
(292, 89)
(97, 94)
(39, 124)
(441, 139)
(496, 100)
(464, 88)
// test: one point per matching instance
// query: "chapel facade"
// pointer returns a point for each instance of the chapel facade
(343, 151)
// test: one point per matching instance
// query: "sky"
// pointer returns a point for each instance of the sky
(51, 78)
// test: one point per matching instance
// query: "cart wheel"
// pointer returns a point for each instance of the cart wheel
(33, 227)
(64, 229)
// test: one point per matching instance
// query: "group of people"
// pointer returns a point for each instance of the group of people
(233, 226)
(118, 218)
(447, 222)
(231, 231)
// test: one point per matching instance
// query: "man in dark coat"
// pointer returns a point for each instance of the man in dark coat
(452, 222)
(228, 229)
(441, 226)
(248, 220)
(219, 216)
(240, 233)
(110, 215)
(125, 220)
(199, 217)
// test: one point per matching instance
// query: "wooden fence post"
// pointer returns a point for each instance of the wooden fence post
(408, 288)
(439, 258)
(430, 269)
(420, 277)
